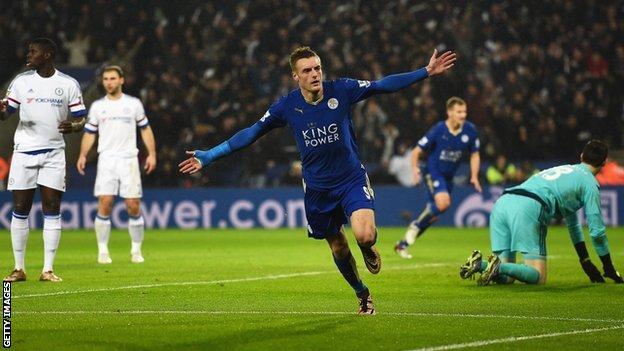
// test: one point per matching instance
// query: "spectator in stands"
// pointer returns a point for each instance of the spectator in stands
(611, 173)
(530, 84)
(501, 172)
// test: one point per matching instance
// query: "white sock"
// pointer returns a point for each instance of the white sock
(102, 233)
(51, 238)
(19, 237)
(411, 233)
(136, 228)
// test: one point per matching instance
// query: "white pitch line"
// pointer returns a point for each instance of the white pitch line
(394, 314)
(515, 339)
(211, 282)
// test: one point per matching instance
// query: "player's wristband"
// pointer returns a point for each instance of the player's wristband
(208, 156)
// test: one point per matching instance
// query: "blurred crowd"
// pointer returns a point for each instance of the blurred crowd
(540, 77)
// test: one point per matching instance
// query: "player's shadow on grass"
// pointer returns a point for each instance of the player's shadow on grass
(521, 288)
(266, 335)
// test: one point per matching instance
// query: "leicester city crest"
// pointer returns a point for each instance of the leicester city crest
(332, 103)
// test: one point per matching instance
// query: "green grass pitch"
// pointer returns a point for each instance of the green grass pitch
(278, 290)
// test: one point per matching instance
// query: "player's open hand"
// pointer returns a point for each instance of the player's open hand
(190, 165)
(438, 65)
(475, 182)
(81, 164)
(150, 164)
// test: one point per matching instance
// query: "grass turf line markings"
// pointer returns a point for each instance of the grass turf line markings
(396, 314)
(221, 281)
(515, 339)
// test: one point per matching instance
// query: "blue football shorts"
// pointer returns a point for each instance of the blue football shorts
(326, 211)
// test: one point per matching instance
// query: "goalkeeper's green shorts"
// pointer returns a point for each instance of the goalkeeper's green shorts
(517, 225)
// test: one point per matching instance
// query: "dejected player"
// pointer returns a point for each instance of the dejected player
(520, 219)
(445, 144)
(115, 118)
(43, 96)
(335, 182)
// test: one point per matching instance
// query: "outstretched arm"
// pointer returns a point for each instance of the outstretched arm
(200, 158)
(437, 65)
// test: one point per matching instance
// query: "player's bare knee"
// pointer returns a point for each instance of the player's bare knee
(133, 208)
(366, 236)
(443, 205)
(51, 206)
(105, 205)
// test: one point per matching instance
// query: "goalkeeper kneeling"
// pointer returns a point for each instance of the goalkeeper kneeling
(520, 219)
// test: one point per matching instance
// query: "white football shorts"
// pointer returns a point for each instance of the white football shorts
(46, 169)
(118, 176)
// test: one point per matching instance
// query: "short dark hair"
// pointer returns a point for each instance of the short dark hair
(454, 101)
(300, 53)
(595, 153)
(47, 44)
(114, 68)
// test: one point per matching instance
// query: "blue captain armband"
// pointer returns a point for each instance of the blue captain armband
(206, 157)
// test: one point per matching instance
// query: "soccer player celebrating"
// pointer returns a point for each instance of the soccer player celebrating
(335, 182)
(446, 142)
(521, 216)
(115, 118)
(43, 96)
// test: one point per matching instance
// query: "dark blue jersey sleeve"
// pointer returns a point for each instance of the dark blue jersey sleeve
(428, 142)
(474, 143)
(359, 90)
(273, 118)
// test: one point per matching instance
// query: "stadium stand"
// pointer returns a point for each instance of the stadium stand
(533, 84)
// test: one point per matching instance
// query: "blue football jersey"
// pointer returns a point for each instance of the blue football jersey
(323, 131)
(445, 150)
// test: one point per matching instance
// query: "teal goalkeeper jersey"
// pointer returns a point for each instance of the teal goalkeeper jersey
(566, 189)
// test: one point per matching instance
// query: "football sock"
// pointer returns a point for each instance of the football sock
(426, 218)
(503, 279)
(19, 237)
(347, 267)
(521, 272)
(500, 279)
(51, 238)
(136, 230)
(102, 233)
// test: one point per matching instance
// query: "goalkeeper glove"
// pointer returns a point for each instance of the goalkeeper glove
(609, 270)
(592, 271)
